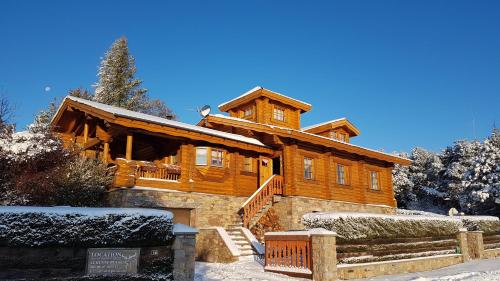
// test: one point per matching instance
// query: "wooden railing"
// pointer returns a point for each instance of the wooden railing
(167, 172)
(263, 195)
(289, 253)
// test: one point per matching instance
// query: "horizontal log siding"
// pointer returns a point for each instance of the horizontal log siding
(325, 186)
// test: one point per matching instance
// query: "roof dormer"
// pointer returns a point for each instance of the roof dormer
(339, 129)
(264, 106)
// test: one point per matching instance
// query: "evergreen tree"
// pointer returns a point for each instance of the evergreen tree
(118, 86)
(81, 93)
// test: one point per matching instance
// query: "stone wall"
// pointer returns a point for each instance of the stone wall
(207, 209)
(211, 247)
(291, 209)
(491, 254)
(184, 254)
(396, 267)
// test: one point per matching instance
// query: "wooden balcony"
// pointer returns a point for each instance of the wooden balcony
(142, 173)
(164, 172)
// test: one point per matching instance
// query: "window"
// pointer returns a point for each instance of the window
(201, 156)
(308, 168)
(216, 159)
(247, 164)
(279, 114)
(341, 137)
(341, 174)
(173, 159)
(333, 135)
(374, 180)
(248, 111)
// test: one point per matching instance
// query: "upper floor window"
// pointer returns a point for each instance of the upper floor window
(248, 111)
(374, 180)
(341, 137)
(308, 168)
(278, 114)
(201, 155)
(217, 156)
(333, 135)
(341, 174)
(248, 164)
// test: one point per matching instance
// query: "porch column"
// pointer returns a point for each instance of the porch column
(128, 152)
(105, 152)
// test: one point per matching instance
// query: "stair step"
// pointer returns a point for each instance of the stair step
(246, 253)
(244, 248)
(241, 242)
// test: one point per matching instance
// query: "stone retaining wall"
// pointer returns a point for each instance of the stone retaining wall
(211, 246)
(291, 209)
(206, 209)
(396, 267)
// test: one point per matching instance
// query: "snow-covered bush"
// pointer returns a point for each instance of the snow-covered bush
(366, 226)
(487, 224)
(416, 213)
(83, 227)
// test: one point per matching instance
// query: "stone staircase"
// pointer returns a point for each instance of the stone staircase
(236, 234)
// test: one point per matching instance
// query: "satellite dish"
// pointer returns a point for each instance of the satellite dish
(205, 110)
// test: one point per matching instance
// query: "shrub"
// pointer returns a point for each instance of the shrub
(364, 226)
(487, 224)
(83, 227)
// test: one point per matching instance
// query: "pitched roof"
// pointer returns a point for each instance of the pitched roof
(121, 112)
(260, 91)
(301, 135)
(323, 126)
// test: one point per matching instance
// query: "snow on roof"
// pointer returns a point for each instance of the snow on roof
(117, 111)
(314, 135)
(322, 123)
(261, 88)
(92, 212)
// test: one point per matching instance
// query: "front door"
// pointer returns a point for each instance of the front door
(265, 169)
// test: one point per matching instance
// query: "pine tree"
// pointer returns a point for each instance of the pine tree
(118, 86)
(81, 93)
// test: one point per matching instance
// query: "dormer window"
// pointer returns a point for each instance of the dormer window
(278, 114)
(248, 111)
(333, 135)
(341, 137)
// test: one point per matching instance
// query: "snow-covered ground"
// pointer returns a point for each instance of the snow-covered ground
(249, 270)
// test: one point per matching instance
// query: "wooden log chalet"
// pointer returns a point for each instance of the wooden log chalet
(231, 169)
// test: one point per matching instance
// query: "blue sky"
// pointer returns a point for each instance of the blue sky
(407, 73)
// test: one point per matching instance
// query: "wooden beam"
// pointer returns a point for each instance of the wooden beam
(105, 152)
(128, 153)
(86, 132)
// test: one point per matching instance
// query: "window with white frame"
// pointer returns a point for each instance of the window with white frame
(278, 114)
(216, 157)
(308, 168)
(341, 174)
(201, 156)
(374, 182)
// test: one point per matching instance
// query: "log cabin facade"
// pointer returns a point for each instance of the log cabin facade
(231, 168)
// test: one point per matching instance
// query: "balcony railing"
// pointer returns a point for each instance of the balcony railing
(164, 172)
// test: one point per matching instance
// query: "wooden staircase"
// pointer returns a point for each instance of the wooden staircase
(258, 204)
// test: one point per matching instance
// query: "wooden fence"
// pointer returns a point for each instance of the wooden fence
(289, 253)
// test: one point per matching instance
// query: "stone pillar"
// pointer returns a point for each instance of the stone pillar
(184, 252)
(324, 254)
(475, 244)
(462, 243)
